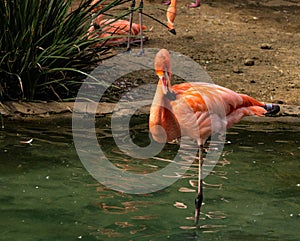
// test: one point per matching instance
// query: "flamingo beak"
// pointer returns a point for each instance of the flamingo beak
(164, 84)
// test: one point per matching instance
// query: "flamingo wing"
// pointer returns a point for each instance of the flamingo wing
(201, 96)
(206, 108)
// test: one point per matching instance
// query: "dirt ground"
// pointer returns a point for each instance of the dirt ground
(224, 36)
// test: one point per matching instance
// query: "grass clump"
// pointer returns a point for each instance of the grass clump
(44, 47)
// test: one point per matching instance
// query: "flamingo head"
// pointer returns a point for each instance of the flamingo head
(162, 67)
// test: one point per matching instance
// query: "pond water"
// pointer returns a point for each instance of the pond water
(47, 194)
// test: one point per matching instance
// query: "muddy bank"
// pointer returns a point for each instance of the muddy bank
(48, 112)
(249, 46)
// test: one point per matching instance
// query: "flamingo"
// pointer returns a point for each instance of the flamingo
(115, 30)
(188, 109)
(124, 27)
(171, 14)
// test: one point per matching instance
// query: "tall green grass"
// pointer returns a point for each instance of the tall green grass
(44, 46)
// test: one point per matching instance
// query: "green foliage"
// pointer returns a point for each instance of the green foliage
(43, 43)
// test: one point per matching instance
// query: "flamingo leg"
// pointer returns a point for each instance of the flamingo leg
(130, 24)
(199, 198)
(141, 25)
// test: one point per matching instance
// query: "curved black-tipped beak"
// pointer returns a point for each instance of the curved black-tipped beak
(173, 31)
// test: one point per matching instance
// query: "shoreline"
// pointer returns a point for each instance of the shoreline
(34, 111)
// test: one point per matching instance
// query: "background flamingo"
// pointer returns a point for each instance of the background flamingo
(115, 31)
(116, 28)
(171, 14)
(189, 109)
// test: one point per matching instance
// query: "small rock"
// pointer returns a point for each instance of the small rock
(237, 70)
(180, 205)
(184, 189)
(252, 81)
(249, 62)
(266, 46)
(189, 37)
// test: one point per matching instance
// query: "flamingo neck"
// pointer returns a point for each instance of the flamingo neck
(159, 94)
(169, 94)
(161, 101)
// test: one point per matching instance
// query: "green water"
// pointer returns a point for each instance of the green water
(46, 194)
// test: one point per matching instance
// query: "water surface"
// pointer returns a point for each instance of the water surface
(47, 194)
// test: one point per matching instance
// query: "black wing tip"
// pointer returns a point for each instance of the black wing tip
(272, 109)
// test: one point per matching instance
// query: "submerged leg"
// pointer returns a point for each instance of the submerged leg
(199, 198)
(130, 24)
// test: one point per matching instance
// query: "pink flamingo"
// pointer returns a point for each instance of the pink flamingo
(178, 109)
(115, 31)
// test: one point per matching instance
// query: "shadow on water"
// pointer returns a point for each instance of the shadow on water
(251, 194)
